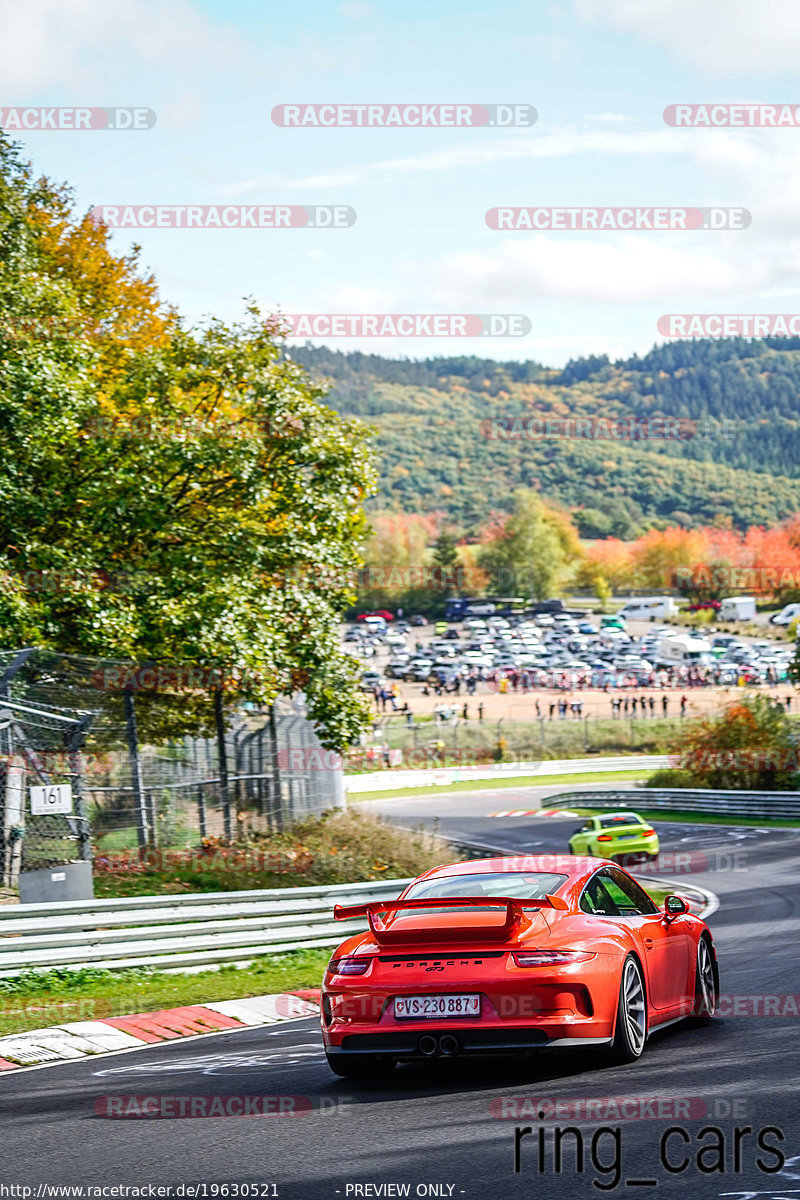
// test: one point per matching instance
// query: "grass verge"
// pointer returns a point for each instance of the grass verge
(491, 785)
(38, 999)
(339, 847)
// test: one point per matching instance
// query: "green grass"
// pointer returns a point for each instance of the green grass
(39, 999)
(490, 785)
(475, 742)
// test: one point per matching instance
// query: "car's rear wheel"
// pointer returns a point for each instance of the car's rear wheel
(361, 1066)
(630, 1032)
(705, 983)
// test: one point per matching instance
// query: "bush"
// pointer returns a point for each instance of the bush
(750, 745)
(670, 777)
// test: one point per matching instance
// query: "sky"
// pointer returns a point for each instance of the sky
(599, 74)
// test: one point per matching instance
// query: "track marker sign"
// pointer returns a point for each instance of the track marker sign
(55, 798)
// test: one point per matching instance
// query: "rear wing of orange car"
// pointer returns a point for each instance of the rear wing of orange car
(383, 932)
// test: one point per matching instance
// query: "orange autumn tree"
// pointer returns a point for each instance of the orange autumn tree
(704, 563)
(749, 745)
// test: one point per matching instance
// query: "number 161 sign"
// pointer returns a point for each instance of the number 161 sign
(55, 798)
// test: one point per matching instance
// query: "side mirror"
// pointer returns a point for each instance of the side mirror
(674, 906)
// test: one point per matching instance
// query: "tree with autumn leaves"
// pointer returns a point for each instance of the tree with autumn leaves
(167, 495)
(705, 563)
(750, 745)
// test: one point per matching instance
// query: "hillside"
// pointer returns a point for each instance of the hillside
(431, 418)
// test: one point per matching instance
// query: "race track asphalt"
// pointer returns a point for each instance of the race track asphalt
(439, 1129)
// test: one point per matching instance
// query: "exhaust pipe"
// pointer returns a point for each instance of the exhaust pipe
(427, 1045)
(449, 1045)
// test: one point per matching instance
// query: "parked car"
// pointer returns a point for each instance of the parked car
(648, 608)
(396, 669)
(394, 639)
(789, 613)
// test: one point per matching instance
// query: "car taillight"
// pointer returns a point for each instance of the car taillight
(648, 833)
(355, 965)
(604, 837)
(550, 958)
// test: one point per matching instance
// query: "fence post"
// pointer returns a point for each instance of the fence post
(223, 766)
(201, 813)
(74, 745)
(277, 804)
(136, 769)
(262, 808)
(150, 806)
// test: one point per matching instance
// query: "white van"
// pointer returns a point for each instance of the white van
(684, 651)
(374, 624)
(789, 613)
(737, 608)
(646, 608)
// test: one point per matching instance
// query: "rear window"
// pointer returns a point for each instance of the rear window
(517, 885)
(620, 819)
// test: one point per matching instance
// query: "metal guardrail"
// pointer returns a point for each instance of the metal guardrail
(179, 932)
(700, 800)
(176, 933)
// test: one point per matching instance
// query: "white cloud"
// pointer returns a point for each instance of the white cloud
(80, 43)
(560, 144)
(356, 10)
(609, 118)
(724, 36)
(628, 269)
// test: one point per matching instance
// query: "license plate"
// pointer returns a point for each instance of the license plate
(412, 1008)
(623, 837)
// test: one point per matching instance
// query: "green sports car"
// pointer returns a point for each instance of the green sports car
(615, 835)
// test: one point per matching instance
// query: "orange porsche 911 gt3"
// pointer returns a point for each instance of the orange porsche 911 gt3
(510, 956)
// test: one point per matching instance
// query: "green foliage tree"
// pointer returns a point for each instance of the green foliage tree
(166, 495)
(530, 557)
(445, 550)
(602, 591)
